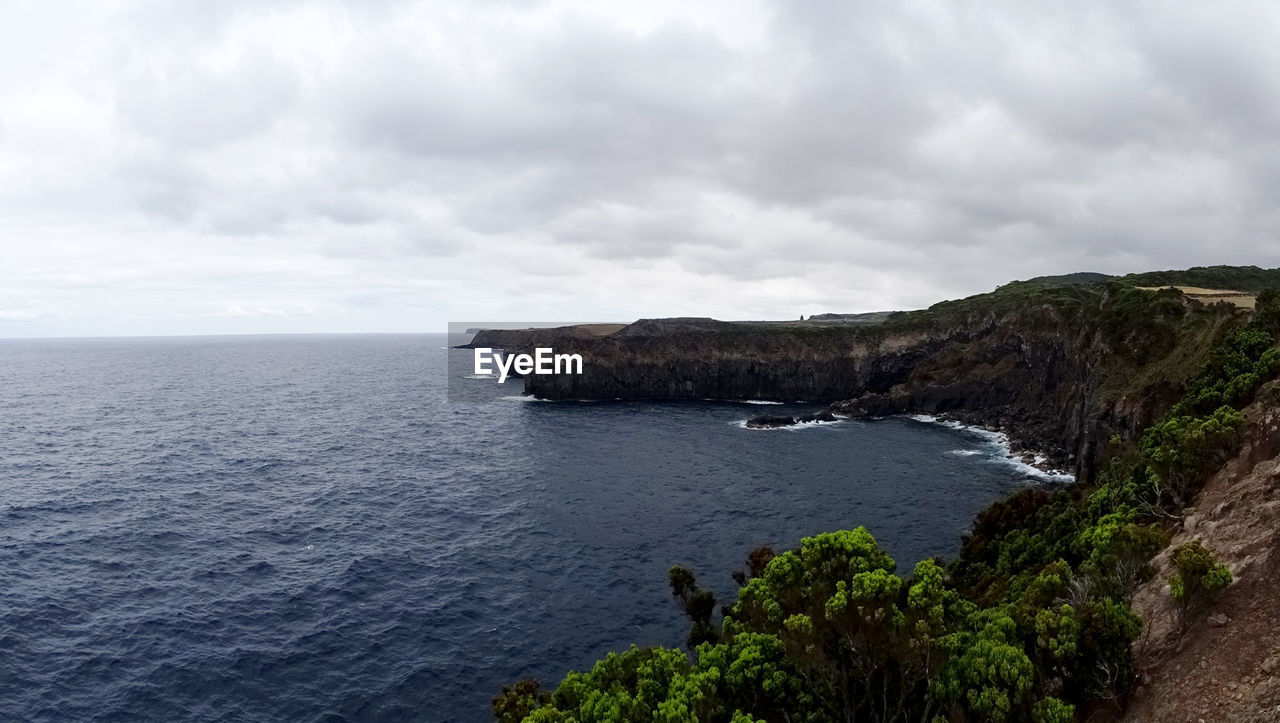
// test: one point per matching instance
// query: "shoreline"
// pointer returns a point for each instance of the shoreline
(1032, 462)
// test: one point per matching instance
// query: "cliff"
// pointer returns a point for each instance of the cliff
(1227, 666)
(1061, 363)
(1057, 580)
(529, 338)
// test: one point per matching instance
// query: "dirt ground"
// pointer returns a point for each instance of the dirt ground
(1227, 666)
(1226, 673)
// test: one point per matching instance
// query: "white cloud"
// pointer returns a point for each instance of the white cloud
(190, 167)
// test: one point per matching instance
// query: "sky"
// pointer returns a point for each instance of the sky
(195, 167)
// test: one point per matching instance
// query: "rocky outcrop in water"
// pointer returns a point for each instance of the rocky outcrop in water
(774, 421)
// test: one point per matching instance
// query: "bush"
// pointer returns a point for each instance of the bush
(1183, 448)
(518, 701)
(1199, 578)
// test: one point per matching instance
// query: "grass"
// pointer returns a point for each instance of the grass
(1242, 299)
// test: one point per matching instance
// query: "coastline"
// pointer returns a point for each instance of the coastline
(1029, 461)
(1032, 462)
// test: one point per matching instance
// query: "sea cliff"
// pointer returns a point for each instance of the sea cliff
(1060, 364)
(1131, 594)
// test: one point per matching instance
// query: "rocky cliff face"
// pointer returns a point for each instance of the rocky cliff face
(1227, 666)
(519, 339)
(702, 359)
(1060, 371)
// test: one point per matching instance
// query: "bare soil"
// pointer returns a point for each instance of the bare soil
(1226, 667)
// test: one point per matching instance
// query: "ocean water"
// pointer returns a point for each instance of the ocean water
(302, 528)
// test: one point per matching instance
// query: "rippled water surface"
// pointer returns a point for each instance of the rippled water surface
(301, 528)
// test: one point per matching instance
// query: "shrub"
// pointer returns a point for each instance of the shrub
(1199, 578)
(1183, 448)
(518, 701)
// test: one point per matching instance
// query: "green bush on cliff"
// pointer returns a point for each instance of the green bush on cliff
(829, 631)
(1235, 369)
(1182, 449)
(1199, 578)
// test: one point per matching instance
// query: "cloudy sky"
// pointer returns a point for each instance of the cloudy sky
(190, 166)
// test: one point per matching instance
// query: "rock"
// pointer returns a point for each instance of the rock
(1221, 507)
(1189, 524)
(773, 421)
(770, 421)
(823, 416)
(1270, 664)
(1028, 459)
(1218, 620)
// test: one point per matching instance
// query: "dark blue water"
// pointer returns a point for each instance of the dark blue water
(301, 528)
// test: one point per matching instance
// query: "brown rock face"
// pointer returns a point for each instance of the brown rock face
(1056, 376)
(1225, 667)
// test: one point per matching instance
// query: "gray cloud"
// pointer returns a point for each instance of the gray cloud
(324, 165)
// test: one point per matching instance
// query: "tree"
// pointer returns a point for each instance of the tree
(989, 677)
(866, 642)
(696, 603)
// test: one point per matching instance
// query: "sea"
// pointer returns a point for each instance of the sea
(305, 528)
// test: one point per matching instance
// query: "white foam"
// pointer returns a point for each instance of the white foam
(1002, 451)
(1033, 471)
(481, 376)
(740, 401)
(742, 424)
(522, 398)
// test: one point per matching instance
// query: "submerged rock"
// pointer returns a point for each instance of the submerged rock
(773, 421)
(770, 421)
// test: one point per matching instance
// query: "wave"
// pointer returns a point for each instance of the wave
(1002, 452)
(1032, 470)
(740, 401)
(742, 424)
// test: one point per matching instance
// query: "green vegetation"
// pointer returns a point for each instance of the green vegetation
(1239, 278)
(1199, 578)
(1031, 621)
